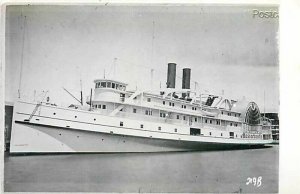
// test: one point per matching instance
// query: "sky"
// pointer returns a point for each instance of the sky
(225, 46)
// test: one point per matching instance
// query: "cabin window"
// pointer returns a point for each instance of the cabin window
(163, 115)
(99, 105)
(184, 106)
(170, 103)
(121, 110)
(218, 122)
(121, 124)
(209, 133)
(148, 112)
(222, 112)
(195, 108)
(210, 121)
(104, 106)
(103, 84)
(221, 134)
(109, 84)
(205, 120)
(183, 117)
(134, 110)
(229, 114)
(177, 116)
(142, 126)
(117, 86)
(164, 102)
(148, 99)
(113, 85)
(175, 130)
(230, 124)
(159, 128)
(195, 119)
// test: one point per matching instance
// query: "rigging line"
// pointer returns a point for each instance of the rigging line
(153, 30)
(22, 54)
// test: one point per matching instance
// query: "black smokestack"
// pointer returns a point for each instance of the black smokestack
(171, 75)
(186, 80)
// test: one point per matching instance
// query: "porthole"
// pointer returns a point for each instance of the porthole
(209, 133)
(75, 116)
(159, 128)
(175, 130)
(54, 113)
(142, 126)
(94, 119)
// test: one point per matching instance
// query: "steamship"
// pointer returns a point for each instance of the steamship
(114, 119)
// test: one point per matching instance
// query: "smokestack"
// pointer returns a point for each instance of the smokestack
(171, 77)
(186, 80)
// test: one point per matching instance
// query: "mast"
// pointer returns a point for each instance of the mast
(152, 45)
(114, 67)
(81, 98)
(91, 99)
(152, 71)
(22, 55)
(264, 104)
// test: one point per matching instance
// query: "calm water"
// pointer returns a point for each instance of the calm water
(214, 171)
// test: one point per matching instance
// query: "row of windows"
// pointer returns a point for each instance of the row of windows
(170, 103)
(100, 106)
(229, 114)
(175, 130)
(194, 108)
(110, 85)
(218, 122)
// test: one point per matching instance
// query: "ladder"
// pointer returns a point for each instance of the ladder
(34, 111)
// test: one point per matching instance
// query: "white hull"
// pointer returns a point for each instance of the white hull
(45, 133)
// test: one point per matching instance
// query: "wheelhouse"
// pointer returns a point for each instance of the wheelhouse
(112, 84)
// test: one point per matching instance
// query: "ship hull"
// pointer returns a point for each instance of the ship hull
(48, 139)
(58, 130)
